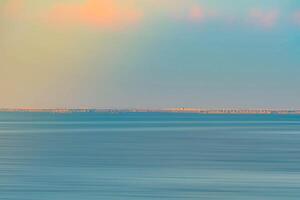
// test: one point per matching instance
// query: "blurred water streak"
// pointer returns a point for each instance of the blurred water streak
(47, 156)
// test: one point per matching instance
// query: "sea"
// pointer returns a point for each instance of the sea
(143, 156)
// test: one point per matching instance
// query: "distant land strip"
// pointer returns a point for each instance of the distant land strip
(172, 110)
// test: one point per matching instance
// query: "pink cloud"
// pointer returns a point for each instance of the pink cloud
(296, 17)
(266, 19)
(95, 13)
(199, 13)
(196, 14)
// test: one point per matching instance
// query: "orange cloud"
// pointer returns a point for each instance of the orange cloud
(196, 14)
(95, 13)
(13, 8)
(266, 19)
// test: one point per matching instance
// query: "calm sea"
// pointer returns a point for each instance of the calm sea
(92, 156)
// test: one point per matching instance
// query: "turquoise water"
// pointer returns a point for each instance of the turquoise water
(89, 156)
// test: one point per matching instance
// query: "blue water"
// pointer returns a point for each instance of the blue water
(89, 156)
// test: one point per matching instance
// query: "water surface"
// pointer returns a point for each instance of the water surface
(116, 156)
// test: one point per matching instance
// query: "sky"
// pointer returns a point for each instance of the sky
(150, 54)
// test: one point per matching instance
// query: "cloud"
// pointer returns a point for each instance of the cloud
(265, 19)
(95, 13)
(13, 8)
(196, 14)
(296, 17)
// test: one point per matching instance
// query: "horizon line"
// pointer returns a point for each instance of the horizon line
(164, 110)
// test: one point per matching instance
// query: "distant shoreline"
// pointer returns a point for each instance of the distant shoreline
(172, 110)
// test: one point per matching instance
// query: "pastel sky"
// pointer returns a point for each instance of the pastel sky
(150, 53)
